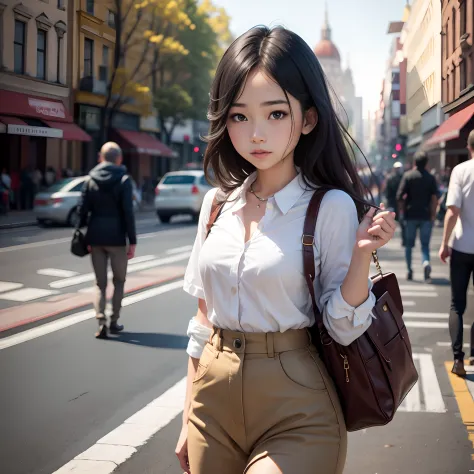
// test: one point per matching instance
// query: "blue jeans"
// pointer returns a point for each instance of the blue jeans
(411, 227)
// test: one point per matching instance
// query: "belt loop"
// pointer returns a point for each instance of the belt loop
(270, 345)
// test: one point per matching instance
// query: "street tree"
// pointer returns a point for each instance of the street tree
(141, 28)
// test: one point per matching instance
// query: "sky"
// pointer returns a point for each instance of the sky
(359, 30)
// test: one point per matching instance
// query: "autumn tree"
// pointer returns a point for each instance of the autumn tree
(181, 82)
(141, 28)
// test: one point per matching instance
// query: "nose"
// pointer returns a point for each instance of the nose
(257, 137)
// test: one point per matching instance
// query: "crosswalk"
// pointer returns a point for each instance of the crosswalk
(18, 292)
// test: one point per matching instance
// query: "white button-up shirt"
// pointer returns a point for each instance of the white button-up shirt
(259, 285)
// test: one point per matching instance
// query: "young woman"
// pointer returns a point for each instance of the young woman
(259, 399)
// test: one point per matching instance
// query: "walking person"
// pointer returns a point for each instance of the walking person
(391, 188)
(460, 218)
(107, 210)
(418, 200)
(259, 399)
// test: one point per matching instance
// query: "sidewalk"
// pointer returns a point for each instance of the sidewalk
(16, 219)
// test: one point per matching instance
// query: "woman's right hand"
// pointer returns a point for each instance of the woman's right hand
(182, 449)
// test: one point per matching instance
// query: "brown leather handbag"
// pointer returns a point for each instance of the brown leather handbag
(375, 372)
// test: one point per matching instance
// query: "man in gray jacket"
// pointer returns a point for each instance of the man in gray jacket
(107, 210)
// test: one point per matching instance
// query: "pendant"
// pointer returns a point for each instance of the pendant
(258, 205)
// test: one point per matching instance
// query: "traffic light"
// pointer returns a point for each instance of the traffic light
(196, 149)
(398, 147)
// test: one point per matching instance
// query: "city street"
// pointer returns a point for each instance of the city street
(71, 403)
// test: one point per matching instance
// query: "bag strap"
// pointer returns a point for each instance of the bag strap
(216, 209)
(308, 250)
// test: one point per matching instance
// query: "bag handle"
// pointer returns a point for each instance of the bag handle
(216, 209)
(308, 250)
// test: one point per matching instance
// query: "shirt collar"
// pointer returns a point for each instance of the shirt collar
(285, 199)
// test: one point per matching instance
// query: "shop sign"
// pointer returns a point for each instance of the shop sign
(47, 108)
(35, 131)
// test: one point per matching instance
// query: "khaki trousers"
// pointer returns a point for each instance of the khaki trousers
(257, 395)
(118, 261)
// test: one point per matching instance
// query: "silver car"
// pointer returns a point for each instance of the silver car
(59, 202)
(180, 192)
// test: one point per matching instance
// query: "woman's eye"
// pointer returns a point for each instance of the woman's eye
(238, 118)
(278, 115)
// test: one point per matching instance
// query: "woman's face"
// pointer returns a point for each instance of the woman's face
(260, 124)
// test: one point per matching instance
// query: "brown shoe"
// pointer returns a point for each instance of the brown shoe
(102, 332)
(458, 368)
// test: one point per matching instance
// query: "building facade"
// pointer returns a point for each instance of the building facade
(36, 122)
(457, 82)
(422, 49)
(134, 124)
(341, 82)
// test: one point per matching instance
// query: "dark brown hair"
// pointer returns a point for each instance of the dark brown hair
(323, 155)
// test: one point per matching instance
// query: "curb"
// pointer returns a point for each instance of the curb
(17, 225)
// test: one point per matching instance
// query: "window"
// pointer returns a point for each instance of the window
(88, 57)
(111, 19)
(454, 30)
(179, 179)
(19, 47)
(41, 55)
(463, 24)
(105, 56)
(446, 40)
(61, 4)
(58, 61)
(463, 74)
(90, 6)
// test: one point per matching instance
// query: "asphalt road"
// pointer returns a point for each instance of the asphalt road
(63, 391)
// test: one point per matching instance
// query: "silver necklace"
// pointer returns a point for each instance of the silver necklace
(258, 197)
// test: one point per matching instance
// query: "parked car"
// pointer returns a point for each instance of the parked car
(59, 202)
(180, 192)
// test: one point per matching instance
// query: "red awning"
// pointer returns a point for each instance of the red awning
(11, 120)
(142, 142)
(71, 131)
(451, 129)
(24, 105)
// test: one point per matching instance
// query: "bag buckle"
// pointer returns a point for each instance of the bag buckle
(305, 240)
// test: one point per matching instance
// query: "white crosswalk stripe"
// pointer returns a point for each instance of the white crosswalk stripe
(425, 396)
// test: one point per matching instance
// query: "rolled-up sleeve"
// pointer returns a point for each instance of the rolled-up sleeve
(455, 195)
(336, 229)
(192, 278)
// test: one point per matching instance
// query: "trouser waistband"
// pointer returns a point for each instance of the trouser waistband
(258, 342)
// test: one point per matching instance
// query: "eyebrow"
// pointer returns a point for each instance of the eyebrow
(263, 104)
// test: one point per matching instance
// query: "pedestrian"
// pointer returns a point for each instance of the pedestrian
(417, 196)
(6, 182)
(259, 399)
(391, 188)
(460, 218)
(107, 210)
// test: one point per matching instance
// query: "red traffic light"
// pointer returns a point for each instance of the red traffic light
(398, 147)
(196, 149)
(394, 155)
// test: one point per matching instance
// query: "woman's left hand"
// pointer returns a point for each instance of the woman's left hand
(375, 230)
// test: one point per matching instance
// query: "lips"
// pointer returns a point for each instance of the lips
(260, 153)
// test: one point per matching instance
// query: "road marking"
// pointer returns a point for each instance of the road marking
(62, 323)
(420, 294)
(464, 400)
(186, 248)
(122, 443)
(144, 258)
(425, 288)
(427, 385)
(409, 303)
(410, 314)
(8, 286)
(26, 294)
(429, 325)
(87, 277)
(57, 272)
(449, 344)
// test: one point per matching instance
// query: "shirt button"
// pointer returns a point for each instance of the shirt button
(234, 290)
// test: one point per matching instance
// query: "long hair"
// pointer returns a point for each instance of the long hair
(322, 155)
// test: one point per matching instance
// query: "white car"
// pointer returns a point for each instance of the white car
(180, 192)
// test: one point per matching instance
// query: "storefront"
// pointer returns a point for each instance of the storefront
(34, 132)
(449, 141)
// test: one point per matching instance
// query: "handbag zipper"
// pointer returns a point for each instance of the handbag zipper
(346, 366)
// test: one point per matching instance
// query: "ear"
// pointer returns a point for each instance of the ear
(310, 120)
